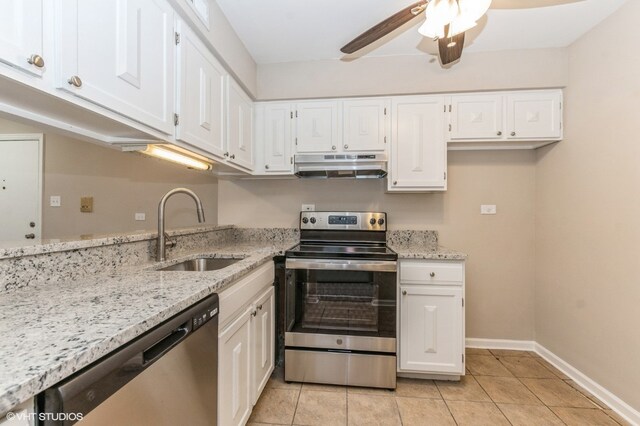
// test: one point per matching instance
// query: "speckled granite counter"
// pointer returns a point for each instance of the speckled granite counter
(50, 331)
(427, 252)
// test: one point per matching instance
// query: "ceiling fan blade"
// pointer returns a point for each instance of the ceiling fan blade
(451, 48)
(385, 27)
(528, 4)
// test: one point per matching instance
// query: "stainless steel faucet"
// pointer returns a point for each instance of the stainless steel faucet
(162, 237)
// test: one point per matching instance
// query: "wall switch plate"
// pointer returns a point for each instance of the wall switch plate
(141, 216)
(488, 209)
(55, 201)
(86, 204)
(308, 207)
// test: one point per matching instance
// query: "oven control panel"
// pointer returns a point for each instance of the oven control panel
(363, 221)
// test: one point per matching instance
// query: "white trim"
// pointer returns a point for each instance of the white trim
(626, 411)
(616, 404)
(515, 345)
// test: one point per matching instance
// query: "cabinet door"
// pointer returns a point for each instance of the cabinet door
(317, 127)
(240, 134)
(277, 138)
(418, 150)
(262, 343)
(21, 34)
(200, 95)
(365, 125)
(476, 117)
(535, 115)
(234, 366)
(122, 52)
(431, 329)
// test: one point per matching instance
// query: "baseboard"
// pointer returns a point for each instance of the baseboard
(616, 404)
(515, 345)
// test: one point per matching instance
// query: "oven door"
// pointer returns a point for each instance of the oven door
(341, 305)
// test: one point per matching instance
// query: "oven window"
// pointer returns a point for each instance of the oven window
(341, 302)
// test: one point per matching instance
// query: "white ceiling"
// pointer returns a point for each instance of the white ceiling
(304, 30)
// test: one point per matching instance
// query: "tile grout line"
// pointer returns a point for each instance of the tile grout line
(295, 410)
(445, 402)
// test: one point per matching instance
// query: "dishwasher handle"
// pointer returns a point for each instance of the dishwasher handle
(164, 345)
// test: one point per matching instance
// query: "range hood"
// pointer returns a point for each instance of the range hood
(354, 166)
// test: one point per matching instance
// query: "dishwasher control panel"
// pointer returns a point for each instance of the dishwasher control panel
(203, 317)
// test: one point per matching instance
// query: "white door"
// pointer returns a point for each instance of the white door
(365, 125)
(201, 95)
(234, 364)
(418, 151)
(317, 128)
(476, 117)
(240, 134)
(535, 115)
(262, 343)
(122, 54)
(277, 138)
(20, 188)
(431, 329)
(21, 34)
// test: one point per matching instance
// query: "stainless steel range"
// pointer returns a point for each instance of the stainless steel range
(340, 315)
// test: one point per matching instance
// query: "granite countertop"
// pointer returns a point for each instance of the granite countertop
(427, 252)
(51, 331)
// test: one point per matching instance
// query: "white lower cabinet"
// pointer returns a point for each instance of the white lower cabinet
(21, 415)
(246, 344)
(431, 335)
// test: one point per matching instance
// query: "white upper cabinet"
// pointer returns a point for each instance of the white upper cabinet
(240, 128)
(534, 115)
(201, 102)
(365, 125)
(418, 160)
(21, 35)
(476, 117)
(120, 55)
(274, 138)
(317, 127)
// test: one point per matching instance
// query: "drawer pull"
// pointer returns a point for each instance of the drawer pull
(433, 274)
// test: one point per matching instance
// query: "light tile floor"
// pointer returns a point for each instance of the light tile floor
(500, 388)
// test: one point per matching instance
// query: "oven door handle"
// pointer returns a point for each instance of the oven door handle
(343, 265)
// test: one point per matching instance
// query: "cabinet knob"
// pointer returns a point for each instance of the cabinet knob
(266, 167)
(232, 156)
(333, 147)
(499, 133)
(433, 274)
(513, 133)
(226, 154)
(395, 182)
(36, 60)
(30, 236)
(346, 146)
(254, 313)
(75, 81)
(404, 292)
(339, 341)
(32, 224)
(260, 307)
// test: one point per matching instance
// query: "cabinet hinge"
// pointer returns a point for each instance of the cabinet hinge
(385, 139)
(445, 108)
(385, 111)
(296, 113)
(449, 108)
(176, 119)
(291, 160)
(449, 127)
(445, 175)
(463, 358)
(463, 302)
(296, 141)
(292, 115)
(177, 34)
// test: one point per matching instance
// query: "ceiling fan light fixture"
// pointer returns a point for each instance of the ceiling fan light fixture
(439, 13)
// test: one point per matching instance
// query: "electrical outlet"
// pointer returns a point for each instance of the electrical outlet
(55, 201)
(140, 216)
(308, 207)
(488, 209)
(86, 204)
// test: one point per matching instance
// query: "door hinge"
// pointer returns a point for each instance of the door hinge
(177, 34)
(176, 119)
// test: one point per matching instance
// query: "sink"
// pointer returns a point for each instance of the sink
(201, 264)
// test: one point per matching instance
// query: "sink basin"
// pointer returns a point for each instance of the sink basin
(201, 264)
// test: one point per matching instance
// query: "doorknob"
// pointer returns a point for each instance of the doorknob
(30, 236)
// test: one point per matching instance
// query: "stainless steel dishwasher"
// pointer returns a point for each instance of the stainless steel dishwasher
(167, 376)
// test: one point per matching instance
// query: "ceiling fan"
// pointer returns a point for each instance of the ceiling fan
(446, 21)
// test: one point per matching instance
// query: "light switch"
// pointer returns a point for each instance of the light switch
(488, 209)
(308, 207)
(86, 204)
(55, 201)
(141, 216)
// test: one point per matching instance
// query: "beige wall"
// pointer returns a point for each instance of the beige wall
(588, 213)
(536, 68)
(122, 184)
(501, 248)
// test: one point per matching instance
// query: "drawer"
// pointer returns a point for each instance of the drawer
(427, 272)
